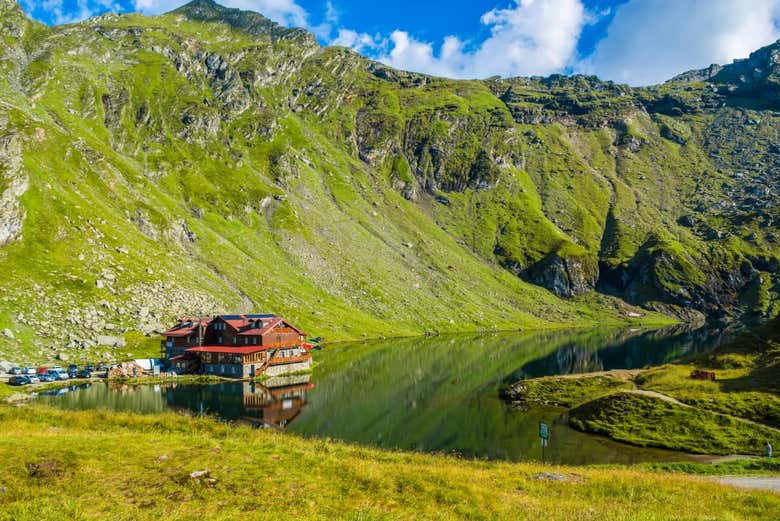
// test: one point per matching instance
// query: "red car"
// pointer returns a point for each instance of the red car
(43, 370)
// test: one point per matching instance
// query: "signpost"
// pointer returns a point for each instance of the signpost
(544, 434)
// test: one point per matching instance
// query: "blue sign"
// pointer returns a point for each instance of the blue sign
(544, 430)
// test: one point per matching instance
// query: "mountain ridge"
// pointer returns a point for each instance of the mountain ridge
(173, 165)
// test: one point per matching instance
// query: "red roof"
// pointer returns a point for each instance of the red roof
(274, 322)
(262, 330)
(181, 329)
(236, 350)
(177, 332)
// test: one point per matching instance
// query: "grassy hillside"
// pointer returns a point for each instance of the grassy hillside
(93, 465)
(209, 160)
(747, 373)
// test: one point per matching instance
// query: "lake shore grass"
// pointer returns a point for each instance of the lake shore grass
(648, 421)
(665, 407)
(98, 465)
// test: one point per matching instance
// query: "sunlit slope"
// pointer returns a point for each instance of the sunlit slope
(208, 160)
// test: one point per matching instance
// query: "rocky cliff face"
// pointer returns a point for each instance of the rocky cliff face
(220, 162)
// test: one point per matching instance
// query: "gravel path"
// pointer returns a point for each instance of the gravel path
(755, 482)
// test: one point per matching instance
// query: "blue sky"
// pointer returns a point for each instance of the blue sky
(639, 42)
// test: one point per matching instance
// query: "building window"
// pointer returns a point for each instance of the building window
(219, 339)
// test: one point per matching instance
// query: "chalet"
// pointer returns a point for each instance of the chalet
(240, 346)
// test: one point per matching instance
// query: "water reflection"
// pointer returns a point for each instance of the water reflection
(426, 394)
(274, 403)
(441, 394)
(622, 349)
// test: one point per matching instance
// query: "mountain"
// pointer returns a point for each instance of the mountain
(757, 76)
(210, 160)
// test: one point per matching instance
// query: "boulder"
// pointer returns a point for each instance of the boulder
(109, 340)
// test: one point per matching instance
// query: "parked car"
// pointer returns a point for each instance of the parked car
(60, 375)
(29, 371)
(34, 379)
(102, 367)
(19, 380)
(57, 368)
(15, 370)
(90, 368)
(43, 370)
(85, 374)
(48, 377)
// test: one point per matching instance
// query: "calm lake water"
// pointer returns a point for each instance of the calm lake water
(425, 394)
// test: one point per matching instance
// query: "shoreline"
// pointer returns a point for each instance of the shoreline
(640, 323)
(668, 406)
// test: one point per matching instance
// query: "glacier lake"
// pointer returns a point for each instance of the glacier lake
(432, 394)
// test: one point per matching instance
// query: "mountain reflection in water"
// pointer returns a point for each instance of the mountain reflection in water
(437, 394)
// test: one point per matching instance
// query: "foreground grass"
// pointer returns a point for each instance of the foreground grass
(90, 464)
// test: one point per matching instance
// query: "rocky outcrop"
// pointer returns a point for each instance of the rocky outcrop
(755, 76)
(690, 285)
(13, 184)
(564, 276)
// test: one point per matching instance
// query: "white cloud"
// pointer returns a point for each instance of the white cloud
(650, 41)
(361, 42)
(530, 37)
(331, 18)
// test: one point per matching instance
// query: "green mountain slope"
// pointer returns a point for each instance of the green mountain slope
(209, 160)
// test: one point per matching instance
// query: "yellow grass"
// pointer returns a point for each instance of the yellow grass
(124, 466)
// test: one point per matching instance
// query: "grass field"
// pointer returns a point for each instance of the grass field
(93, 465)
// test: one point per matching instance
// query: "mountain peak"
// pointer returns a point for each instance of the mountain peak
(759, 66)
(202, 8)
(248, 21)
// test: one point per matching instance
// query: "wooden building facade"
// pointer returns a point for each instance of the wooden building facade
(238, 346)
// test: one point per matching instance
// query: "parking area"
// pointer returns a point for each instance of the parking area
(35, 376)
